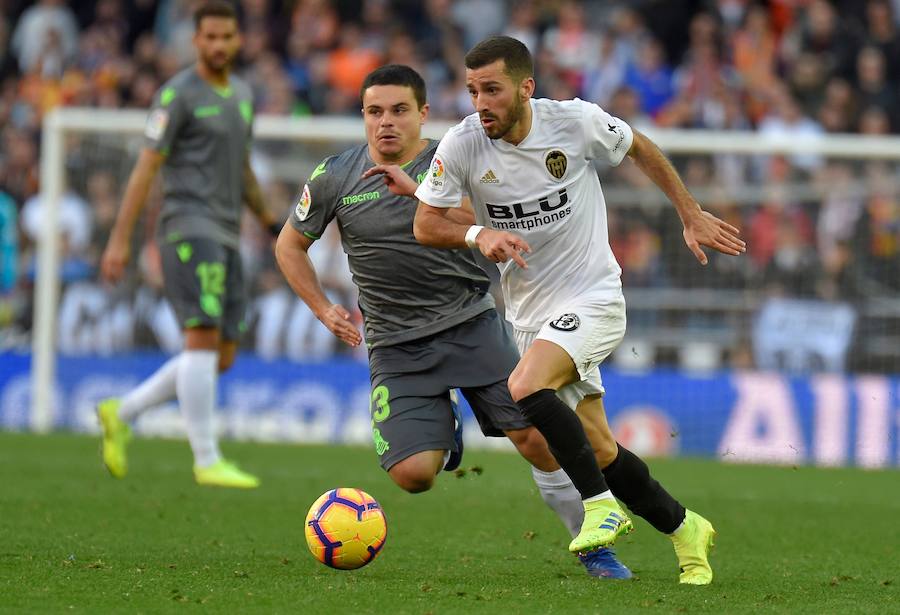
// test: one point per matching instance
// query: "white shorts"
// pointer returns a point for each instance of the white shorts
(588, 331)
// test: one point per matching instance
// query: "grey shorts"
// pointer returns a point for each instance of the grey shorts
(411, 383)
(204, 282)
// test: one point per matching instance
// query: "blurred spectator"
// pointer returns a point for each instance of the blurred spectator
(763, 229)
(175, 29)
(640, 258)
(733, 12)
(841, 207)
(650, 78)
(630, 32)
(882, 32)
(18, 172)
(839, 109)
(874, 121)
(754, 50)
(877, 242)
(478, 19)
(46, 37)
(793, 269)
(523, 24)
(348, 65)
(574, 46)
(874, 88)
(820, 34)
(9, 244)
(602, 81)
(700, 75)
(807, 83)
(626, 105)
(75, 221)
(786, 121)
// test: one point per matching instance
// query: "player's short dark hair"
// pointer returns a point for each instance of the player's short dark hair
(214, 8)
(515, 55)
(396, 74)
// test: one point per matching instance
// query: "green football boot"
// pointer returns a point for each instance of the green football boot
(116, 434)
(604, 521)
(692, 541)
(225, 474)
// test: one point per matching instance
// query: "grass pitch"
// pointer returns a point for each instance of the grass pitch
(73, 539)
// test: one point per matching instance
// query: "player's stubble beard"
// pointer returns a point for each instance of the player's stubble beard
(515, 114)
(217, 65)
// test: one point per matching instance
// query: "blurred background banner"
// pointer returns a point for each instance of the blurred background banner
(736, 416)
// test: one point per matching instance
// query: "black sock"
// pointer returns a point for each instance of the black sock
(565, 435)
(630, 481)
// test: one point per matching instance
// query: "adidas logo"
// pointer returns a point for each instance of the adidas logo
(489, 178)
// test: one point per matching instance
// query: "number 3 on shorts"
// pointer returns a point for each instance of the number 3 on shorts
(380, 398)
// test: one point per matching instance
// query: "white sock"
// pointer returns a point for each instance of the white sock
(561, 495)
(606, 495)
(155, 390)
(196, 386)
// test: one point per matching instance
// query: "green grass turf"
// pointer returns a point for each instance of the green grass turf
(73, 539)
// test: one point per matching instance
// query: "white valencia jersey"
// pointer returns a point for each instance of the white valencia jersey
(544, 189)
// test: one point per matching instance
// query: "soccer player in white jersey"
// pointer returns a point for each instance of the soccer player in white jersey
(527, 166)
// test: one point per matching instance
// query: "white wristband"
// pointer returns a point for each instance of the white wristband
(471, 234)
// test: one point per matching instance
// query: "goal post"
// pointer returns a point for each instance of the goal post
(330, 134)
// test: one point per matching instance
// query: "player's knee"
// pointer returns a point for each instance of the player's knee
(412, 482)
(413, 474)
(521, 386)
(227, 353)
(225, 362)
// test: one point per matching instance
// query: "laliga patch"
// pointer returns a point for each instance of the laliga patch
(302, 208)
(156, 124)
(437, 172)
(566, 322)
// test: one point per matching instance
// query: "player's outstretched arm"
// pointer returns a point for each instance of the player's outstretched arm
(701, 228)
(434, 227)
(115, 256)
(291, 253)
(253, 196)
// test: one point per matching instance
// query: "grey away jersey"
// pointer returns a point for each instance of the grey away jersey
(406, 291)
(205, 133)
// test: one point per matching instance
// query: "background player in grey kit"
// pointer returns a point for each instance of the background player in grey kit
(199, 132)
(430, 323)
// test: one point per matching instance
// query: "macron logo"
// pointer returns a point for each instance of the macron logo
(489, 178)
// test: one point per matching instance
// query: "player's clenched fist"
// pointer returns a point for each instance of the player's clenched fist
(337, 319)
(500, 246)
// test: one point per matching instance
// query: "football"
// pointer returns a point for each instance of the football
(345, 528)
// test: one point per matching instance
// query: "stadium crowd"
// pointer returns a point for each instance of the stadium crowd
(820, 229)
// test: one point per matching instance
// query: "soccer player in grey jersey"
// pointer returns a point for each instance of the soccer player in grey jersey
(199, 132)
(430, 323)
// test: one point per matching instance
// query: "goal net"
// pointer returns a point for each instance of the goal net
(786, 354)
